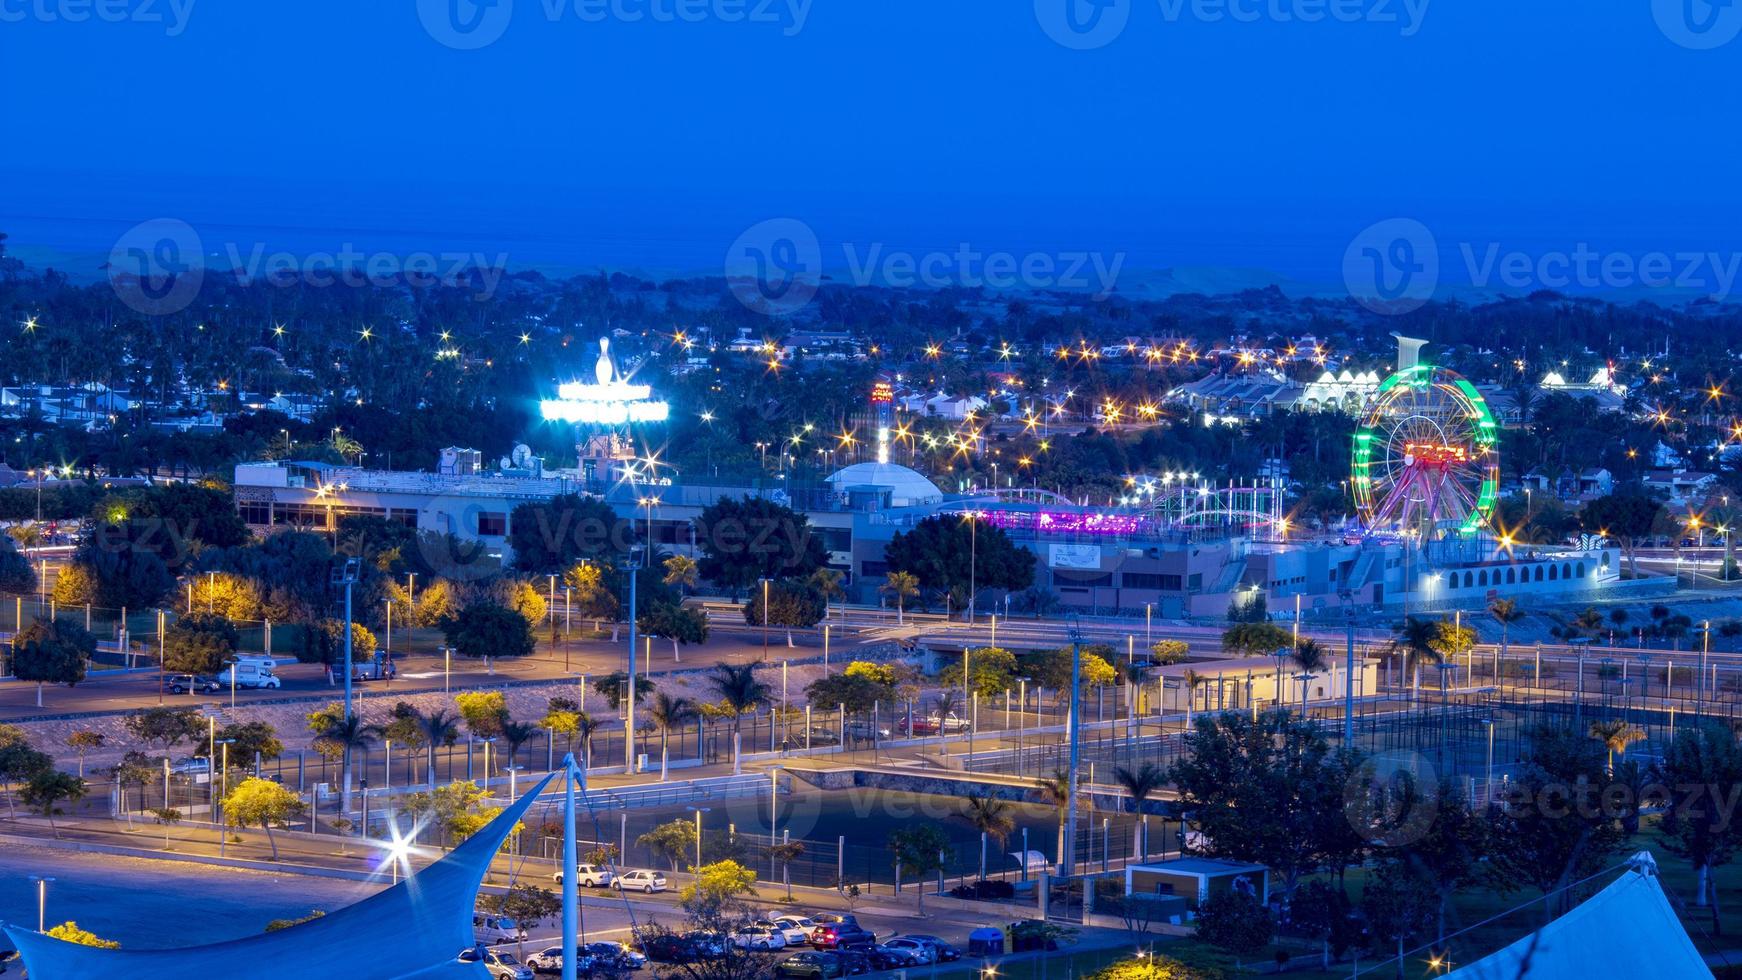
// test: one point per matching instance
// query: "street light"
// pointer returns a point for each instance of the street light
(41, 900)
(699, 810)
(224, 783)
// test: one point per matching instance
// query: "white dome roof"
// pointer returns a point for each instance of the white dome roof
(906, 487)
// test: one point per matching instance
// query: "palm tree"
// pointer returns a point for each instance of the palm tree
(786, 853)
(438, 727)
(949, 699)
(28, 536)
(682, 571)
(1505, 612)
(903, 586)
(993, 818)
(585, 726)
(1191, 680)
(1056, 790)
(1616, 736)
(668, 712)
(827, 582)
(1140, 785)
(1417, 637)
(516, 734)
(740, 691)
(1310, 656)
(346, 735)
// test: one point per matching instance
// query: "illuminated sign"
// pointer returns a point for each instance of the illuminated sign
(882, 393)
(596, 412)
(610, 401)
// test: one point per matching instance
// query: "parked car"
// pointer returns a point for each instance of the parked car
(886, 957)
(834, 931)
(820, 735)
(640, 880)
(196, 766)
(950, 724)
(670, 948)
(616, 955)
(866, 730)
(821, 966)
(946, 953)
(916, 726)
(183, 683)
(501, 964)
(796, 928)
(919, 953)
(708, 945)
(588, 876)
(550, 960)
(760, 935)
(496, 928)
(854, 960)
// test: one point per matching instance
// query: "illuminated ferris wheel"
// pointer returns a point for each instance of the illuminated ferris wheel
(1426, 457)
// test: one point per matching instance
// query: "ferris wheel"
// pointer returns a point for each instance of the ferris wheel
(1426, 455)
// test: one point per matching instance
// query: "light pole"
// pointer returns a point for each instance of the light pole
(699, 810)
(346, 576)
(973, 561)
(223, 784)
(41, 882)
(1069, 857)
(1148, 608)
(632, 564)
(764, 619)
(447, 666)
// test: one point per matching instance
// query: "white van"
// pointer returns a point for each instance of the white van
(248, 675)
(261, 660)
(492, 929)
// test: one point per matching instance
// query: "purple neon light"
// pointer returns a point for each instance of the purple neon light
(1069, 522)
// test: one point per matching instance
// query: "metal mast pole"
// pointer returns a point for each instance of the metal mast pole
(571, 896)
(633, 564)
(1068, 859)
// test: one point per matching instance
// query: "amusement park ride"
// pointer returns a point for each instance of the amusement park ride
(1426, 454)
(1426, 468)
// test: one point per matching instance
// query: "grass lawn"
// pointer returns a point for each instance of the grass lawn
(1475, 906)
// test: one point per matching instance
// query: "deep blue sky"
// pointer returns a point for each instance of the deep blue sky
(915, 123)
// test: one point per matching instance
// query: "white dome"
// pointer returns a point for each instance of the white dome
(906, 487)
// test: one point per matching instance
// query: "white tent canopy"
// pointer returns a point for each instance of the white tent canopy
(1626, 930)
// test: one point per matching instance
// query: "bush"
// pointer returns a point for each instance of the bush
(989, 890)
